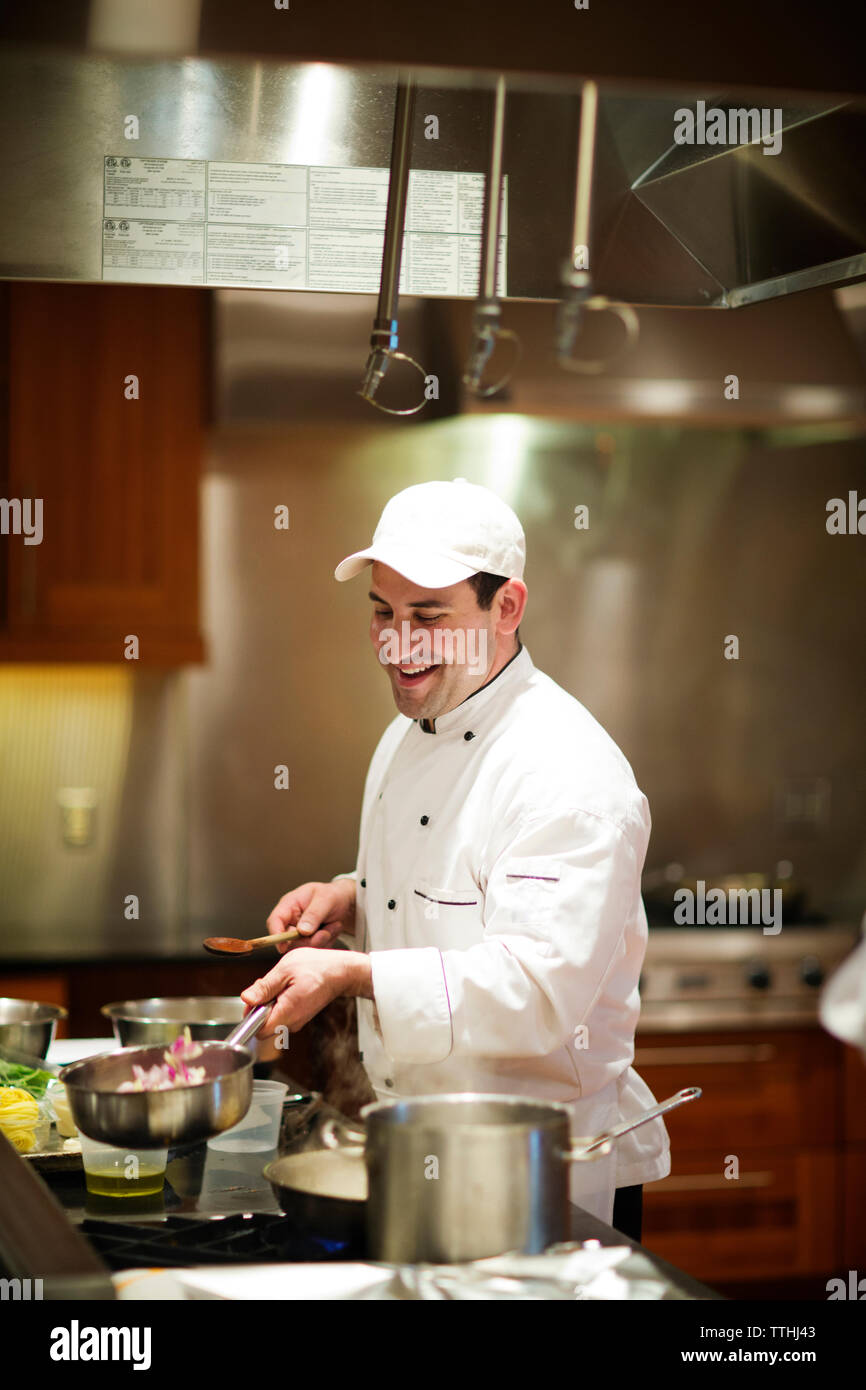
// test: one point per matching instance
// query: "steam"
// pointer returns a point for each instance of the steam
(342, 1079)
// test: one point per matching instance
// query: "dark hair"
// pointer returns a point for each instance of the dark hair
(485, 586)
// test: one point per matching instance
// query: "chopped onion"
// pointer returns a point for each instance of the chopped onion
(171, 1073)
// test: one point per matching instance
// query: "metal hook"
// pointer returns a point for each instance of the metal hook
(570, 313)
(377, 365)
(484, 343)
(384, 338)
(576, 278)
(486, 331)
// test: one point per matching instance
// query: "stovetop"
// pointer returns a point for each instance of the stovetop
(179, 1241)
(216, 1207)
(738, 977)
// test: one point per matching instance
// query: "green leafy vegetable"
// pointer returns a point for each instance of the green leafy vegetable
(26, 1078)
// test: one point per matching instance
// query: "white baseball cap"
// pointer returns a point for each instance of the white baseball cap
(437, 534)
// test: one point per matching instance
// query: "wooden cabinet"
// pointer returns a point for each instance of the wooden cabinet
(105, 391)
(855, 1097)
(767, 1181)
(854, 1162)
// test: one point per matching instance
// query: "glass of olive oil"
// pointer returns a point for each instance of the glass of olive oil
(110, 1172)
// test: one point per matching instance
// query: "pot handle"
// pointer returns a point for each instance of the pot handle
(249, 1026)
(577, 1150)
(336, 1134)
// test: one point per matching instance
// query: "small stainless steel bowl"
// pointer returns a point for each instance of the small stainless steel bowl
(29, 1027)
(148, 1022)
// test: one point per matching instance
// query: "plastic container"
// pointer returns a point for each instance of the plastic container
(59, 1103)
(259, 1130)
(110, 1172)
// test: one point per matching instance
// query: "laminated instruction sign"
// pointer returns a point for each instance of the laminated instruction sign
(289, 226)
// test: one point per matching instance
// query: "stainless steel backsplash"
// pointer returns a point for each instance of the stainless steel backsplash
(694, 535)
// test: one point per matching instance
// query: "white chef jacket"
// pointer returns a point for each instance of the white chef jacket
(498, 894)
(842, 1008)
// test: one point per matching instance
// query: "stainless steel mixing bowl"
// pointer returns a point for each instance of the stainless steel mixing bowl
(29, 1027)
(146, 1022)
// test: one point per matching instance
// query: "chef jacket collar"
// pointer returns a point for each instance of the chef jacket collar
(517, 669)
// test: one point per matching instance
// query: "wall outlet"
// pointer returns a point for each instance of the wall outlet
(78, 815)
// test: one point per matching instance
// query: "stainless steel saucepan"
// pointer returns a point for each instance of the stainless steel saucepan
(162, 1119)
(449, 1178)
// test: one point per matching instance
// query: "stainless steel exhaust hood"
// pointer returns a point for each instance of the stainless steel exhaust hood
(727, 225)
(780, 44)
(673, 224)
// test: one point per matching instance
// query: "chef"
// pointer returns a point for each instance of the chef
(495, 907)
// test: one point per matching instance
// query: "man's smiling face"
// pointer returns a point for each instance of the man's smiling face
(440, 685)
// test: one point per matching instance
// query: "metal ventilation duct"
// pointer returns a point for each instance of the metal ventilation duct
(728, 225)
(673, 224)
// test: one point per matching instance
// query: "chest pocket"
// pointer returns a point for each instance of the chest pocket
(446, 917)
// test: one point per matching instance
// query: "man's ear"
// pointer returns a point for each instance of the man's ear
(512, 605)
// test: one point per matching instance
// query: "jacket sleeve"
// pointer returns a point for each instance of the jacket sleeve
(558, 901)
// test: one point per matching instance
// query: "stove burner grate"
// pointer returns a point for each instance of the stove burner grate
(255, 1238)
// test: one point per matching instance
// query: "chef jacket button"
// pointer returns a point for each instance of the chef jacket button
(391, 904)
(388, 1081)
(468, 736)
(424, 820)
(363, 883)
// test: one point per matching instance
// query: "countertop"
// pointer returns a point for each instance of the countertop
(206, 1183)
(59, 946)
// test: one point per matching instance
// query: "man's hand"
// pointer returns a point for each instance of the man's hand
(304, 981)
(320, 911)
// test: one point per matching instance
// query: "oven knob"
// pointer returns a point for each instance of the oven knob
(811, 971)
(757, 975)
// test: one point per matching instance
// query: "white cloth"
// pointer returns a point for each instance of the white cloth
(842, 1007)
(498, 892)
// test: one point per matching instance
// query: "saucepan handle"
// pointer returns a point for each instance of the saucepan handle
(579, 1149)
(249, 1026)
(336, 1134)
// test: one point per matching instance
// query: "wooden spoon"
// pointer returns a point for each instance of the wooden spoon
(235, 946)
